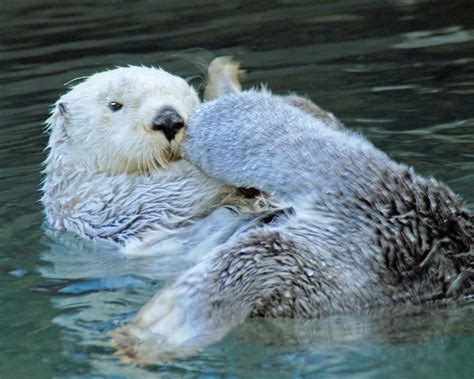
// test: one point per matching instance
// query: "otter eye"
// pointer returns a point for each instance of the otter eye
(114, 106)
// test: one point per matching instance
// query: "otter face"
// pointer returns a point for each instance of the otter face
(126, 120)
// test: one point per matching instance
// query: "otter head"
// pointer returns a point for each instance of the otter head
(126, 120)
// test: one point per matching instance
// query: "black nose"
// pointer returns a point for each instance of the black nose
(169, 122)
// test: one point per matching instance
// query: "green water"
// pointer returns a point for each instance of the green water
(401, 71)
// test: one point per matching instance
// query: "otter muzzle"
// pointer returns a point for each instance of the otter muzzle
(169, 122)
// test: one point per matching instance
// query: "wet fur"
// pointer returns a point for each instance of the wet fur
(359, 230)
(110, 178)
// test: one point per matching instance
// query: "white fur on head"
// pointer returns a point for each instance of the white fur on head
(121, 141)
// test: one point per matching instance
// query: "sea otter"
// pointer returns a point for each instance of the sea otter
(114, 173)
(356, 230)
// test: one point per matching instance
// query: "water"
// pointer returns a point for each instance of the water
(401, 71)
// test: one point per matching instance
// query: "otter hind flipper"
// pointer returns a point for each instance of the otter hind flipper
(223, 77)
(235, 281)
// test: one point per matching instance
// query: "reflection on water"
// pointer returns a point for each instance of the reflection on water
(428, 38)
(401, 71)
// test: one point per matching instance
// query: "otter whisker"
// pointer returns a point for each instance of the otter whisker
(141, 161)
(127, 166)
(76, 80)
(145, 158)
(155, 163)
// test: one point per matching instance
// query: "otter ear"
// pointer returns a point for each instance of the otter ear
(56, 123)
(62, 107)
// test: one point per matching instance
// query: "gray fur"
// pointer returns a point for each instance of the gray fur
(292, 152)
(362, 230)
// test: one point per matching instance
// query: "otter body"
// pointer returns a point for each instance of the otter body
(373, 229)
(121, 208)
(358, 230)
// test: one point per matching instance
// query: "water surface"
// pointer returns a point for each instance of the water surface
(401, 71)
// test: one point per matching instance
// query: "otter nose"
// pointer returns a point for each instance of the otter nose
(169, 122)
